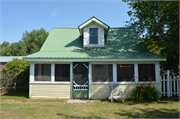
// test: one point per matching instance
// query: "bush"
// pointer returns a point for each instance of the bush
(16, 71)
(145, 92)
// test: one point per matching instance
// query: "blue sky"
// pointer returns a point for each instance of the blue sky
(20, 15)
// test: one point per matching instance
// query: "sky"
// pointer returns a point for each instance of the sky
(18, 16)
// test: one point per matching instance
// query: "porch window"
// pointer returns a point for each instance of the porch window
(62, 72)
(42, 72)
(125, 72)
(146, 72)
(102, 73)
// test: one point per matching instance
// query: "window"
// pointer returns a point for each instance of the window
(146, 72)
(102, 73)
(93, 35)
(62, 72)
(42, 72)
(99, 66)
(125, 72)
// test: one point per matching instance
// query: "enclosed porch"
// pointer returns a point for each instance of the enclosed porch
(88, 79)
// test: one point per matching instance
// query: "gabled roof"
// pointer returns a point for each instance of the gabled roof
(93, 19)
(66, 44)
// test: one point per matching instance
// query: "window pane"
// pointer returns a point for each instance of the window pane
(125, 72)
(102, 73)
(93, 39)
(62, 72)
(146, 71)
(42, 72)
(93, 31)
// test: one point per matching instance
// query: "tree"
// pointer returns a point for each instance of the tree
(15, 71)
(158, 23)
(4, 44)
(17, 49)
(34, 40)
(4, 48)
(31, 42)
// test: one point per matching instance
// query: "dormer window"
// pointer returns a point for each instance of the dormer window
(93, 32)
(93, 35)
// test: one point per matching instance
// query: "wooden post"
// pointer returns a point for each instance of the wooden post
(164, 85)
(136, 73)
(158, 78)
(114, 73)
(174, 85)
(170, 86)
(31, 77)
(71, 79)
(90, 73)
(52, 72)
(168, 90)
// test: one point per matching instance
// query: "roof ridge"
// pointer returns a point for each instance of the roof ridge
(120, 27)
(63, 28)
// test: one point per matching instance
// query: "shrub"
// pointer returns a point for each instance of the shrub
(145, 92)
(15, 71)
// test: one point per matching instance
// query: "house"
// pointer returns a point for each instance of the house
(5, 59)
(82, 62)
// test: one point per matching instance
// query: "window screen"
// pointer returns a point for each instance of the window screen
(102, 73)
(93, 38)
(146, 71)
(81, 74)
(42, 72)
(125, 72)
(62, 72)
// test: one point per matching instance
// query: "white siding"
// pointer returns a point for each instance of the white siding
(85, 37)
(102, 36)
(50, 90)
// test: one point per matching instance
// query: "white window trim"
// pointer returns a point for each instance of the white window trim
(124, 82)
(51, 82)
(41, 81)
(62, 82)
(102, 82)
(156, 74)
(99, 38)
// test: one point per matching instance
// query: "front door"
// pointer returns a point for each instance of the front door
(80, 80)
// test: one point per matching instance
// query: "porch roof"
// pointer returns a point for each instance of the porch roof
(120, 44)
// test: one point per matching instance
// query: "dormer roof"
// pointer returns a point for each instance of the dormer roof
(93, 19)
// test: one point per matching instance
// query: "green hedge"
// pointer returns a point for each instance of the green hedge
(16, 71)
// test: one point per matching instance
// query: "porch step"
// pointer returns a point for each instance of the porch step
(78, 101)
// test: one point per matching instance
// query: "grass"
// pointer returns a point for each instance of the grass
(22, 96)
(165, 108)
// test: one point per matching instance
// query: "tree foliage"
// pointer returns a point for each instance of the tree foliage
(31, 42)
(158, 23)
(15, 71)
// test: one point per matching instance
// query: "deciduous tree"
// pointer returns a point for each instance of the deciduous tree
(158, 23)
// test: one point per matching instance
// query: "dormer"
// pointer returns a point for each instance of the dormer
(93, 32)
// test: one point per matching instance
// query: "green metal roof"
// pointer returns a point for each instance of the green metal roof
(121, 44)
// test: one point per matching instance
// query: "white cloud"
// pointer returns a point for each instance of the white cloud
(54, 14)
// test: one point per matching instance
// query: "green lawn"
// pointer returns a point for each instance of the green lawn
(22, 96)
(165, 108)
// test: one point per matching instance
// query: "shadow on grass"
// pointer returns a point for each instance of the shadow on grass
(17, 93)
(73, 116)
(133, 102)
(174, 99)
(149, 113)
